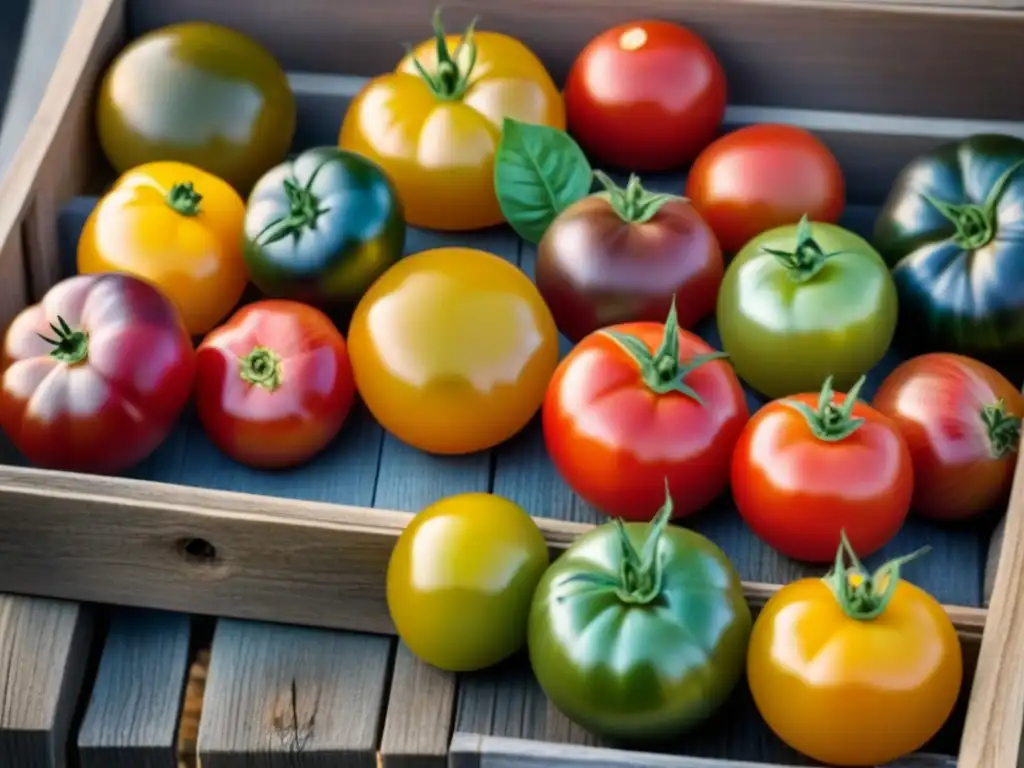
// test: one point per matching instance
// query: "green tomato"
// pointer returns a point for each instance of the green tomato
(639, 631)
(803, 302)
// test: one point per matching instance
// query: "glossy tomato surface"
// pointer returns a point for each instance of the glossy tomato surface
(436, 131)
(178, 227)
(452, 350)
(764, 176)
(645, 96)
(200, 94)
(460, 581)
(274, 384)
(106, 385)
(961, 420)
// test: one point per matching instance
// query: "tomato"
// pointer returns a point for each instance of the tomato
(961, 420)
(764, 176)
(95, 375)
(201, 94)
(809, 467)
(274, 384)
(856, 668)
(800, 303)
(639, 404)
(452, 350)
(622, 256)
(645, 96)
(178, 227)
(460, 580)
(434, 123)
(639, 631)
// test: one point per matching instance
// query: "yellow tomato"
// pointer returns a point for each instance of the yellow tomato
(452, 350)
(461, 578)
(434, 123)
(178, 227)
(854, 670)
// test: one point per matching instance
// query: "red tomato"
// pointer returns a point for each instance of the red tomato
(639, 404)
(95, 375)
(645, 96)
(274, 384)
(808, 467)
(761, 177)
(961, 420)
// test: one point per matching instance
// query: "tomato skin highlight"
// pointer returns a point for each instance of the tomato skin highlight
(939, 401)
(279, 406)
(115, 405)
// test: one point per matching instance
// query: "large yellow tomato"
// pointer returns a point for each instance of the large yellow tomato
(452, 350)
(854, 669)
(434, 123)
(177, 227)
(461, 578)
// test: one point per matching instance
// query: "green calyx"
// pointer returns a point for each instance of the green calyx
(807, 257)
(449, 82)
(831, 422)
(303, 212)
(261, 368)
(69, 346)
(664, 371)
(975, 224)
(1003, 430)
(864, 596)
(184, 199)
(633, 204)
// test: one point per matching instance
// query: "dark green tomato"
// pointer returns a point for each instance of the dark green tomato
(321, 228)
(952, 231)
(639, 632)
(200, 94)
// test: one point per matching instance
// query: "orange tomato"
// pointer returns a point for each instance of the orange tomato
(452, 350)
(855, 668)
(178, 227)
(434, 123)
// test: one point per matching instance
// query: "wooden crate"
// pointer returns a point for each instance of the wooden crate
(312, 548)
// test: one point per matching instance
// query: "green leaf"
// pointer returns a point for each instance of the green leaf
(539, 171)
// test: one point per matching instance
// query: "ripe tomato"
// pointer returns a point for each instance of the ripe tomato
(961, 420)
(640, 404)
(764, 176)
(434, 123)
(178, 227)
(452, 350)
(95, 375)
(645, 96)
(811, 466)
(460, 580)
(274, 384)
(855, 668)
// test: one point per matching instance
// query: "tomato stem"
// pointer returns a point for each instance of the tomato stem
(1003, 429)
(449, 82)
(303, 212)
(69, 346)
(663, 371)
(633, 204)
(831, 422)
(864, 596)
(807, 257)
(262, 368)
(640, 572)
(184, 199)
(975, 223)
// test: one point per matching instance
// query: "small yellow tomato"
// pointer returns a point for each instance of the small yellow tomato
(461, 578)
(452, 350)
(177, 227)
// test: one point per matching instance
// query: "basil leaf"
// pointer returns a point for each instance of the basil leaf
(539, 171)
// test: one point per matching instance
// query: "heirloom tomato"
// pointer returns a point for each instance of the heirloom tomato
(961, 420)
(761, 177)
(460, 580)
(178, 227)
(623, 255)
(322, 227)
(95, 375)
(201, 94)
(452, 349)
(639, 631)
(855, 668)
(641, 404)
(811, 466)
(800, 303)
(645, 96)
(273, 384)
(952, 230)
(434, 123)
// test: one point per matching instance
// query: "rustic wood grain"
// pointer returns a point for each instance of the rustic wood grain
(192, 710)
